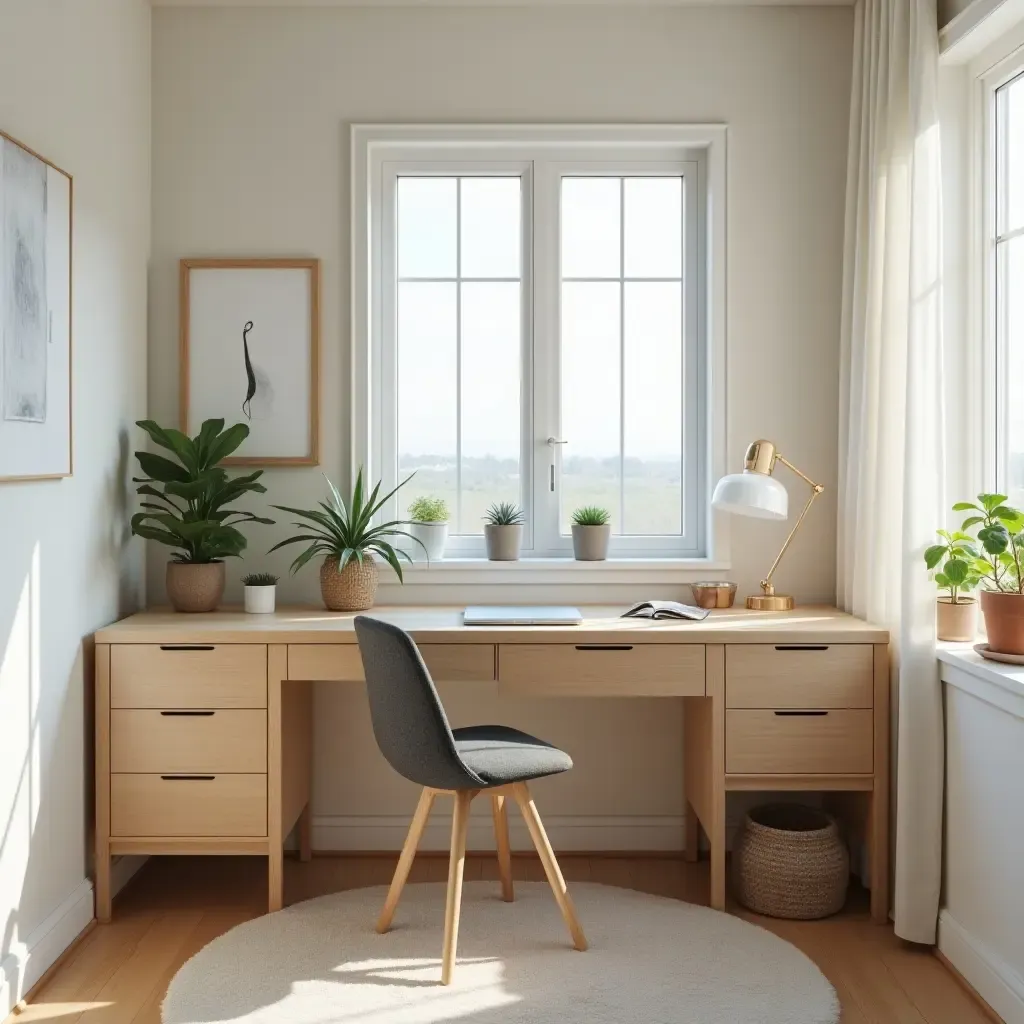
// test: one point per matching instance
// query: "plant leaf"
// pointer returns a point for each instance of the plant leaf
(933, 555)
(991, 501)
(225, 443)
(956, 571)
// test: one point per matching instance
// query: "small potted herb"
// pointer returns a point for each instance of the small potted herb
(503, 531)
(953, 562)
(260, 591)
(591, 533)
(429, 525)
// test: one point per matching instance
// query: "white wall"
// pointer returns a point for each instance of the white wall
(251, 109)
(75, 86)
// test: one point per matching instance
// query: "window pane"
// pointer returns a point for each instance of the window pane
(590, 227)
(491, 394)
(653, 421)
(491, 229)
(1010, 142)
(590, 399)
(427, 390)
(1010, 312)
(654, 227)
(426, 227)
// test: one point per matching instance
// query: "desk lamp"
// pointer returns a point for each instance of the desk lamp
(755, 492)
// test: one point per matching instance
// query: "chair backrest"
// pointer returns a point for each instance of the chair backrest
(409, 722)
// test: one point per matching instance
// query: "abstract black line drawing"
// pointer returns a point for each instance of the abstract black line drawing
(251, 390)
(24, 310)
(258, 384)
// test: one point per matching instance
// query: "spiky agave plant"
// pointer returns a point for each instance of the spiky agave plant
(591, 515)
(346, 531)
(504, 513)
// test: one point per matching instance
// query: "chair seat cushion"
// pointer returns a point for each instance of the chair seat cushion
(499, 755)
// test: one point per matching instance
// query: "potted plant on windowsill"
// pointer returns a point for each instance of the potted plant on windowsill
(260, 592)
(1001, 534)
(503, 531)
(345, 534)
(190, 511)
(429, 525)
(953, 563)
(591, 533)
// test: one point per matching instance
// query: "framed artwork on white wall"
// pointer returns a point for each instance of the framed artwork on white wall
(250, 346)
(35, 315)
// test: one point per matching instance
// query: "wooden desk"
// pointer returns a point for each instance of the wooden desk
(204, 722)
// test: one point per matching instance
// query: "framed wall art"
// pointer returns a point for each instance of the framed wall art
(250, 345)
(35, 315)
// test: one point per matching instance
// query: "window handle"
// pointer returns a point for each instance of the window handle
(552, 441)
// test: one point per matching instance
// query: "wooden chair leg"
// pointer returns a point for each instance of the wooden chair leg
(456, 864)
(550, 864)
(412, 840)
(500, 814)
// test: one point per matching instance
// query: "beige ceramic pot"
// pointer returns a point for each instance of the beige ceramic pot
(503, 542)
(351, 590)
(956, 621)
(195, 587)
(1004, 621)
(590, 543)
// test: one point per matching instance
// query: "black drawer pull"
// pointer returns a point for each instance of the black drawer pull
(186, 647)
(188, 778)
(187, 714)
(801, 714)
(604, 647)
(801, 647)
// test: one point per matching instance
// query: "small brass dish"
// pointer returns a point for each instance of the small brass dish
(713, 595)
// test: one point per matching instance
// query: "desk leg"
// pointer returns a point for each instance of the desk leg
(714, 668)
(103, 897)
(277, 674)
(878, 824)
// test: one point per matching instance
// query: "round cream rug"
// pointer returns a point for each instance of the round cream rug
(651, 961)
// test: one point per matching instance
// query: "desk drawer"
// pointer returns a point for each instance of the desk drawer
(340, 662)
(188, 676)
(798, 743)
(798, 676)
(188, 741)
(188, 805)
(602, 670)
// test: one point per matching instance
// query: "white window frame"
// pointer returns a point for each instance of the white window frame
(380, 152)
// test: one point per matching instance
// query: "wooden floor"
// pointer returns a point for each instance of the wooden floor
(119, 972)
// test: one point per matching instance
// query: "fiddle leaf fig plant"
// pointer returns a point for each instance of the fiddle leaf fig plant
(1001, 535)
(953, 561)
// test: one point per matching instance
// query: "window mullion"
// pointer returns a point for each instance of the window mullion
(458, 355)
(622, 355)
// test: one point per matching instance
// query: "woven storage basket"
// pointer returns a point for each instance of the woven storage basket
(790, 862)
(351, 590)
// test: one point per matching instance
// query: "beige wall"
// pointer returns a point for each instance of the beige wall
(251, 110)
(74, 85)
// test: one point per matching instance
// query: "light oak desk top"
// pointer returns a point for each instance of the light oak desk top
(443, 624)
(204, 722)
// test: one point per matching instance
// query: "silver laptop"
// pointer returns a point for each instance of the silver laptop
(521, 615)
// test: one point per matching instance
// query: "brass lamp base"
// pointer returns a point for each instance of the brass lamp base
(770, 602)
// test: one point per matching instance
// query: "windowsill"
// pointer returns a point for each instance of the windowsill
(461, 571)
(991, 681)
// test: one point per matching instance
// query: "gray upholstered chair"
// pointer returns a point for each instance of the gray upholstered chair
(412, 732)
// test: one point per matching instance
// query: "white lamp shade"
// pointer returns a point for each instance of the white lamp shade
(751, 494)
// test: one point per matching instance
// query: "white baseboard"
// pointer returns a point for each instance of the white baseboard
(29, 959)
(990, 976)
(566, 832)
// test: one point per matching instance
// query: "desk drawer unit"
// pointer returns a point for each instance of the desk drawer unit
(188, 804)
(472, 663)
(150, 741)
(188, 676)
(602, 670)
(821, 742)
(799, 676)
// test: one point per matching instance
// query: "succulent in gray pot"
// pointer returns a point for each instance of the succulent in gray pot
(350, 542)
(591, 533)
(503, 531)
(186, 508)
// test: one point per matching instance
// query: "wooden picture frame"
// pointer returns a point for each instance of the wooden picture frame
(36, 263)
(233, 313)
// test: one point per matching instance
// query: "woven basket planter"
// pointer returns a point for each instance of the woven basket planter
(351, 590)
(790, 862)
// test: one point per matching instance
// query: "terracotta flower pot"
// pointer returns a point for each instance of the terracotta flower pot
(351, 590)
(195, 586)
(956, 621)
(1004, 621)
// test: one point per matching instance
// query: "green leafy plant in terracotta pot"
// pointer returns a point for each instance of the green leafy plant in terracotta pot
(187, 508)
(1000, 532)
(591, 533)
(952, 562)
(345, 534)
(428, 523)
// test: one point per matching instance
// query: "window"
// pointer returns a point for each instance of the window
(1008, 285)
(533, 325)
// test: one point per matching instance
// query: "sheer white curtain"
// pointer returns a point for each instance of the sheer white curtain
(891, 417)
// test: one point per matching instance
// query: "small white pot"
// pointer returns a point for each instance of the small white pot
(433, 537)
(260, 600)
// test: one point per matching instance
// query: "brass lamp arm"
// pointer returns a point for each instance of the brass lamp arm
(816, 489)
